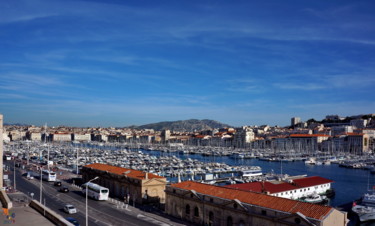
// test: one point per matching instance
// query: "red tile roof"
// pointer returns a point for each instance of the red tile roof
(280, 204)
(309, 135)
(120, 171)
(266, 186)
(311, 181)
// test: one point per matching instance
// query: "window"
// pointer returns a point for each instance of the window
(211, 200)
(174, 190)
(297, 220)
(187, 209)
(211, 218)
(241, 223)
(235, 205)
(229, 221)
(191, 195)
(264, 212)
(196, 212)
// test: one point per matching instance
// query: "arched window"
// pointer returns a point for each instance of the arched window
(196, 212)
(241, 223)
(229, 221)
(187, 210)
(211, 218)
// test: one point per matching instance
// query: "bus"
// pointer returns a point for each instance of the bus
(48, 175)
(95, 191)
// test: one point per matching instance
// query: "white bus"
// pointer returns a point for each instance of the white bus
(95, 191)
(48, 175)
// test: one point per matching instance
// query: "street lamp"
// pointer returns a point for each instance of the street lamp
(41, 186)
(14, 173)
(87, 216)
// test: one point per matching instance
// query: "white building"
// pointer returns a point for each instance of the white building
(62, 137)
(338, 130)
(358, 123)
(293, 189)
(82, 137)
(295, 120)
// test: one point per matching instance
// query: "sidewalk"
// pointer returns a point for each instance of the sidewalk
(21, 214)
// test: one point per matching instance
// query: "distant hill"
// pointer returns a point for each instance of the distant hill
(190, 125)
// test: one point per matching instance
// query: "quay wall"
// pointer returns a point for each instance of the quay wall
(50, 214)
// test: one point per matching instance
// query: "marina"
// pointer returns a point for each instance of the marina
(349, 182)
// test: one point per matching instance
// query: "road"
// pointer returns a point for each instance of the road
(100, 212)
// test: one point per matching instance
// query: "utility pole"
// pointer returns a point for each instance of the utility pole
(14, 174)
(40, 189)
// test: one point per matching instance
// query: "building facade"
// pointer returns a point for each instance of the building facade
(204, 204)
(292, 189)
(56, 137)
(134, 185)
(294, 121)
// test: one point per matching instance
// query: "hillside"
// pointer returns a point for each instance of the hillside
(190, 125)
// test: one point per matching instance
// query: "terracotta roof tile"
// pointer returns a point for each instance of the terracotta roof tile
(120, 171)
(311, 181)
(266, 186)
(280, 204)
(309, 135)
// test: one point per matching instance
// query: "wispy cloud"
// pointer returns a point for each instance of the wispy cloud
(300, 86)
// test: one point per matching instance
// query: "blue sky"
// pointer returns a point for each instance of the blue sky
(121, 63)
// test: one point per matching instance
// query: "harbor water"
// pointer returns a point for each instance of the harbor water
(349, 184)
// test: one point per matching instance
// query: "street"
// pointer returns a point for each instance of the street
(100, 212)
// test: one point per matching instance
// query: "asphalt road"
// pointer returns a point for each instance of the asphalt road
(100, 212)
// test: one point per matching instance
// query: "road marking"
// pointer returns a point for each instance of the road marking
(152, 220)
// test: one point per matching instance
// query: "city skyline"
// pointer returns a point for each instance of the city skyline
(110, 63)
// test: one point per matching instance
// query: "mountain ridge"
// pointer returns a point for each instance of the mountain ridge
(189, 125)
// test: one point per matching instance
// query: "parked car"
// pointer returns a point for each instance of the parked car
(73, 221)
(68, 208)
(64, 189)
(57, 183)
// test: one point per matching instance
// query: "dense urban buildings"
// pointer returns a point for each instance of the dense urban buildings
(333, 134)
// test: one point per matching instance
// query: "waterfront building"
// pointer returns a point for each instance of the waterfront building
(84, 137)
(141, 187)
(291, 189)
(243, 137)
(57, 137)
(357, 143)
(34, 136)
(204, 204)
(146, 139)
(165, 135)
(339, 130)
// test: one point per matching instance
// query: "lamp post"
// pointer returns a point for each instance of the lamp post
(87, 216)
(14, 174)
(41, 187)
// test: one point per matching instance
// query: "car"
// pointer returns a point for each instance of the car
(68, 208)
(57, 183)
(72, 220)
(64, 189)
(29, 175)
